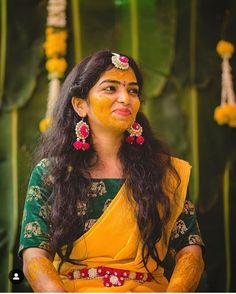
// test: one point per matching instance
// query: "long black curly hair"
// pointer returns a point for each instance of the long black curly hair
(144, 166)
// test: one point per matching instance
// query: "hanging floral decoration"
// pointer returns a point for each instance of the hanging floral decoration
(55, 47)
(226, 112)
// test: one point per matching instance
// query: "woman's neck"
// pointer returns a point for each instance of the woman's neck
(107, 146)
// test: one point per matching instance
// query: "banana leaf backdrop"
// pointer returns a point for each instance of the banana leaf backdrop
(174, 42)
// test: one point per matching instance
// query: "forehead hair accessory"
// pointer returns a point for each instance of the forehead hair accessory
(121, 62)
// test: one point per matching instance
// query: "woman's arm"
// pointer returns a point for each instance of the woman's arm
(40, 272)
(188, 270)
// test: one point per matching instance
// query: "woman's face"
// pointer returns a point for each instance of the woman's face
(113, 102)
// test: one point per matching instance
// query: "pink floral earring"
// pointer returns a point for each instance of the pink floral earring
(82, 133)
(135, 131)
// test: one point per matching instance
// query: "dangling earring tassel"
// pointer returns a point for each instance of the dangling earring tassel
(130, 139)
(135, 131)
(140, 140)
(82, 133)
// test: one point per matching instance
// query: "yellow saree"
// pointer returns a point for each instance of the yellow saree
(114, 241)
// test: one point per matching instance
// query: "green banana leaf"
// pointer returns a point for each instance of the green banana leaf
(143, 33)
(26, 29)
(8, 192)
(157, 32)
(97, 22)
(24, 49)
(28, 139)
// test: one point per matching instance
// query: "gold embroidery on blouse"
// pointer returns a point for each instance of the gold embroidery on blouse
(89, 223)
(189, 208)
(44, 245)
(32, 228)
(47, 179)
(33, 193)
(45, 211)
(106, 204)
(81, 208)
(195, 239)
(172, 252)
(43, 163)
(97, 189)
(179, 229)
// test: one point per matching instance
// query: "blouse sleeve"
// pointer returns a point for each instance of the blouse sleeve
(186, 230)
(35, 227)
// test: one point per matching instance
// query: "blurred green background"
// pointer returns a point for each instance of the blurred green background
(174, 43)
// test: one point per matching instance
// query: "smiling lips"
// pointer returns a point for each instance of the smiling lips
(122, 111)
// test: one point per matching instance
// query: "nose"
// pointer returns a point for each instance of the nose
(124, 97)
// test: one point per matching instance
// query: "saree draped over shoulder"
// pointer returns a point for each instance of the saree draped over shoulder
(114, 241)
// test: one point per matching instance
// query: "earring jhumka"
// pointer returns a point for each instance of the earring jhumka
(82, 133)
(135, 131)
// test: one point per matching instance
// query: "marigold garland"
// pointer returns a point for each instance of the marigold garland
(56, 67)
(55, 44)
(225, 48)
(55, 47)
(44, 124)
(226, 112)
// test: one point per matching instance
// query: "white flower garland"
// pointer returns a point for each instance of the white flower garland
(56, 13)
(227, 92)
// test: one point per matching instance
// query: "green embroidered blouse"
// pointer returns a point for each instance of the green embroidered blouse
(35, 227)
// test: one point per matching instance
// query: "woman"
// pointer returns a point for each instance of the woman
(107, 202)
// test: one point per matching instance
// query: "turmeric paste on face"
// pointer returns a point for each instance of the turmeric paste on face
(102, 103)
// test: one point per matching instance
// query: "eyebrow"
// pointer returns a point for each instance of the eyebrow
(118, 82)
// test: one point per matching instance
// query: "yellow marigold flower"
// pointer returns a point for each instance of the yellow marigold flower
(56, 66)
(232, 109)
(224, 48)
(232, 115)
(232, 123)
(44, 124)
(55, 44)
(220, 115)
(226, 114)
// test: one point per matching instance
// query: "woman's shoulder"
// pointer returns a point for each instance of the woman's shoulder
(183, 168)
(41, 171)
(42, 166)
(179, 173)
(176, 162)
(43, 163)
(180, 163)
